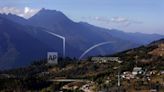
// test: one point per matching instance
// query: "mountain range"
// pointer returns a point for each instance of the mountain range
(24, 40)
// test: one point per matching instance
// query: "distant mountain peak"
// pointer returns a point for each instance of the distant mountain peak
(46, 10)
(9, 15)
(49, 18)
(50, 13)
(14, 18)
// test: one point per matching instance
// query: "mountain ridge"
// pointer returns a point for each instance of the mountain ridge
(79, 36)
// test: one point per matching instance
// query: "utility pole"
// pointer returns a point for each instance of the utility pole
(119, 80)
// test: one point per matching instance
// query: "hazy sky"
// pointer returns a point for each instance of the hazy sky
(146, 16)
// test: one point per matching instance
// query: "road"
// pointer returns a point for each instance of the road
(68, 80)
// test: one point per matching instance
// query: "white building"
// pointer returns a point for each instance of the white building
(137, 70)
(106, 59)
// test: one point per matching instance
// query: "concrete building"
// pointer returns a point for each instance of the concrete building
(106, 59)
(137, 70)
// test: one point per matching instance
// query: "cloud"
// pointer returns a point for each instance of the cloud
(118, 21)
(25, 12)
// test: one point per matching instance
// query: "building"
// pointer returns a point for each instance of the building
(137, 70)
(105, 59)
(127, 75)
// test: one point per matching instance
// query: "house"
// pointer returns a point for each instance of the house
(87, 87)
(162, 72)
(153, 90)
(127, 75)
(137, 70)
(153, 72)
(106, 59)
